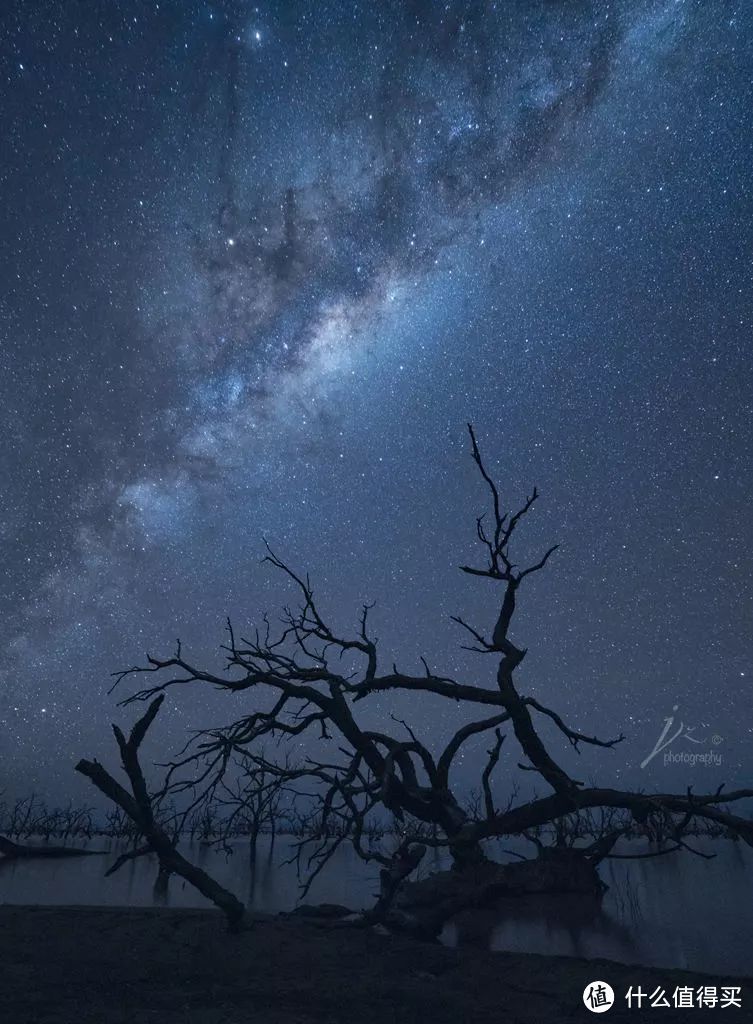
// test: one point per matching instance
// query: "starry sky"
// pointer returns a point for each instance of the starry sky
(260, 264)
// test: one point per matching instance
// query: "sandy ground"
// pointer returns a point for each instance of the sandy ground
(160, 966)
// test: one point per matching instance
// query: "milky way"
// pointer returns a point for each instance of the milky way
(260, 266)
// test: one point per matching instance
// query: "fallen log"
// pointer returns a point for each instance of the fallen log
(422, 908)
(12, 851)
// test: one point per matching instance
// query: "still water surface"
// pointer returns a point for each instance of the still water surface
(673, 911)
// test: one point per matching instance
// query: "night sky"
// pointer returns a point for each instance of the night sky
(259, 266)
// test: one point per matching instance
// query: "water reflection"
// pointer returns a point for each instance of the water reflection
(672, 911)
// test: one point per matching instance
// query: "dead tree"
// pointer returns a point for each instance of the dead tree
(316, 678)
(27, 817)
(204, 822)
(252, 801)
(118, 825)
(30, 817)
(138, 806)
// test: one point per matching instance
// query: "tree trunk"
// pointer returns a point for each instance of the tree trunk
(467, 856)
(170, 859)
(422, 908)
(253, 840)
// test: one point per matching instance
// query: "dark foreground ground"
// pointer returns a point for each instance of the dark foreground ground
(152, 966)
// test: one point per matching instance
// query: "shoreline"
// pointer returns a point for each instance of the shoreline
(111, 965)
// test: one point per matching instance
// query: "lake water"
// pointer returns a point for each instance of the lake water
(673, 911)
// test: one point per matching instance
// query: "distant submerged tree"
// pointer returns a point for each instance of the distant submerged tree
(363, 770)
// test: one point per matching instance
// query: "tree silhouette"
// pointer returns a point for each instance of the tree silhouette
(300, 668)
